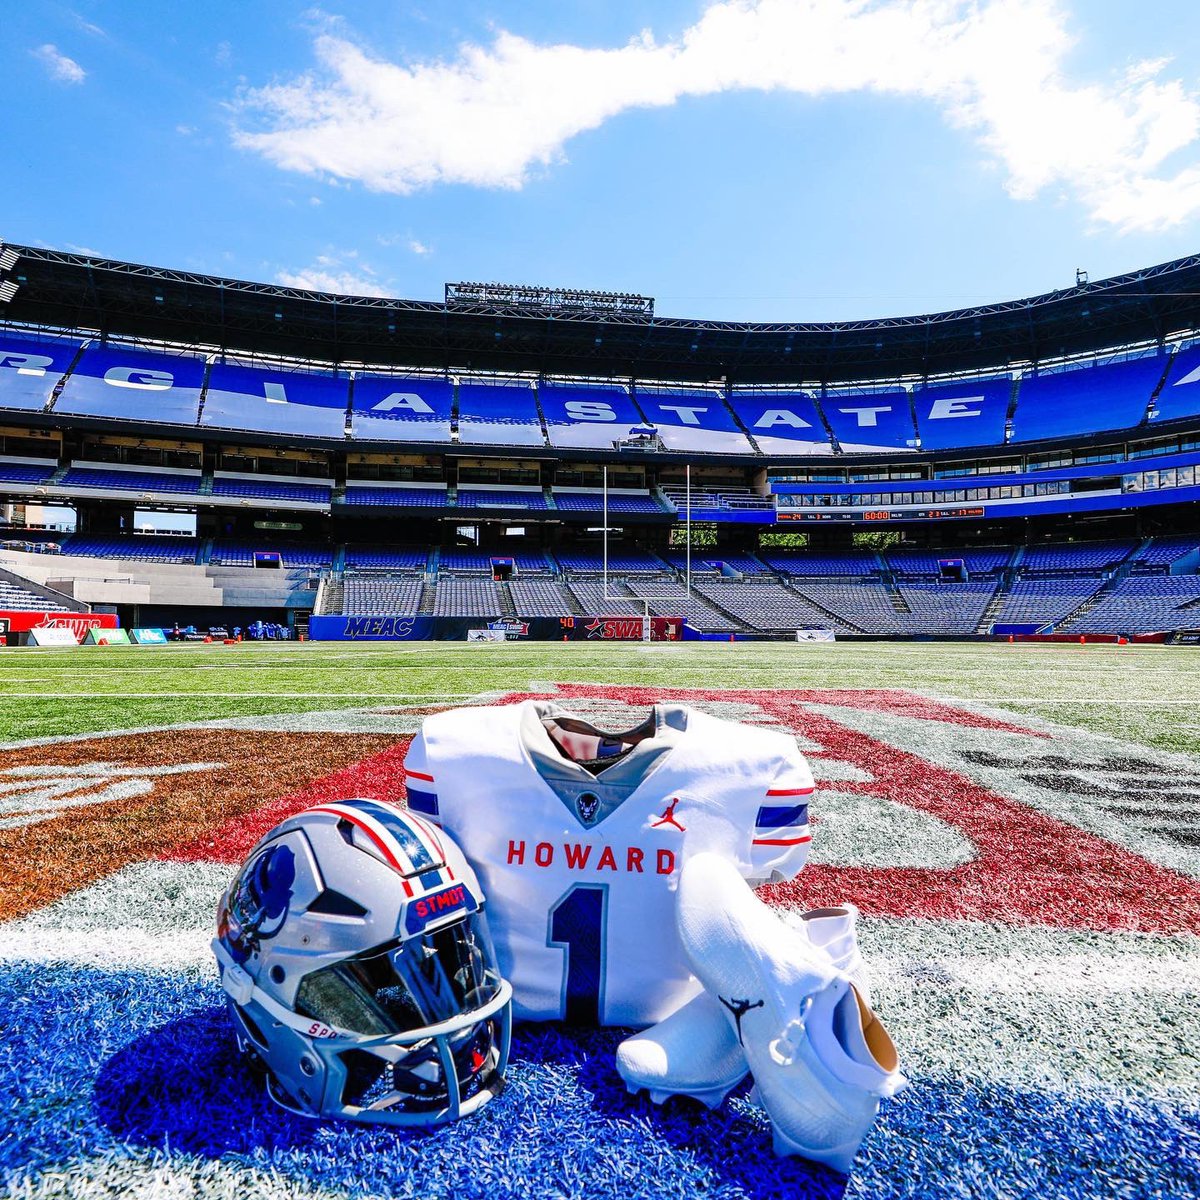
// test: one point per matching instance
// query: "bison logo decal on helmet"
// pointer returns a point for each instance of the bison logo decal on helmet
(258, 902)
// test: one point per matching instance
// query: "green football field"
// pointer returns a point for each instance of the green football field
(1149, 693)
(1028, 879)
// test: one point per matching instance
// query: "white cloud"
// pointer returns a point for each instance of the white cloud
(87, 26)
(495, 115)
(419, 248)
(332, 273)
(58, 66)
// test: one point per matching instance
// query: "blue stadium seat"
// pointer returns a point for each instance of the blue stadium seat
(620, 561)
(480, 561)
(1144, 604)
(1071, 558)
(532, 499)
(143, 547)
(116, 479)
(395, 408)
(30, 369)
(910, 562)
(1163, 553)
(232, 552)
(618, 502)
(26, 472)
(1086, 400)
(498, 415)
(393, 595)
(854, 563)
(386, 495)
(256, 398)
(256, 488)
(394, 558)
(133, 384)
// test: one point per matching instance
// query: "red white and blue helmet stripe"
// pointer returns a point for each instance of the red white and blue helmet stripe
(406, 842)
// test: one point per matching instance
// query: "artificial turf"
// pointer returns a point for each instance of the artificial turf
(1053, 1059)
(1149, 694)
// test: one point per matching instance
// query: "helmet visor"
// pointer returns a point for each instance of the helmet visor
(408, 984)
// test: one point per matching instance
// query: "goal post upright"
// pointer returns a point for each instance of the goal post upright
(687, 578)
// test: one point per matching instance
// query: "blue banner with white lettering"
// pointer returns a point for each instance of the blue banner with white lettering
(271, 401)
(373, 628)
(1180, 395)
(782, 422)
(393, 408)
(140, 385)
(972, 413)
(864, 422)
(30, 370)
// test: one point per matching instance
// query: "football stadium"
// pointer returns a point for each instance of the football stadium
(309, 599)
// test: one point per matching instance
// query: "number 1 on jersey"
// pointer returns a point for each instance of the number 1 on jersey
(578, 924)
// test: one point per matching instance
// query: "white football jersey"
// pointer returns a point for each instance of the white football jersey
(579, 867)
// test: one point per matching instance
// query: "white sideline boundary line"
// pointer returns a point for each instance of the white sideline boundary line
(202, 695)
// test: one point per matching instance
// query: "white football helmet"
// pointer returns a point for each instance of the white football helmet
(355, 952)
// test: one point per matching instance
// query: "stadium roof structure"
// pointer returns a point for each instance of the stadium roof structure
(45, 287)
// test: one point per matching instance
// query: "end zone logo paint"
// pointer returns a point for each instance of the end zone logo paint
(955, 814)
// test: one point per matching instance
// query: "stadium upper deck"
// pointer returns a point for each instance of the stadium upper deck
(782, 392)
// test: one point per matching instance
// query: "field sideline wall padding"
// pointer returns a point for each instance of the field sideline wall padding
(351, 628)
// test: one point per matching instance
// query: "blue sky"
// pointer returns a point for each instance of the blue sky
(769, 160)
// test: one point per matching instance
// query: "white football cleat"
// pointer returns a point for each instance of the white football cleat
(690, 1053)
(834, 930)
(820, 1059)
(695, 1053)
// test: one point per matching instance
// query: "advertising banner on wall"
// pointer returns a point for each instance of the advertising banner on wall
(148, 637)
(97, 636)
(381, 628)
(19, 621)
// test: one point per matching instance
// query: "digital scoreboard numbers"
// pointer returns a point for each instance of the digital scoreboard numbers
(881, 514)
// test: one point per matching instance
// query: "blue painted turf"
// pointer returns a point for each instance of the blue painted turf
(98, 1063)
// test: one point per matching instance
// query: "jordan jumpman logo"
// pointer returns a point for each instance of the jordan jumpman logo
(739, 1008)
(668, 817)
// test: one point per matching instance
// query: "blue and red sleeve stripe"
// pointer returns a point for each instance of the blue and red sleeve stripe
(783, 824)
(422, 795)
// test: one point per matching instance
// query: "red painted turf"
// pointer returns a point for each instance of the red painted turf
(1030, 868)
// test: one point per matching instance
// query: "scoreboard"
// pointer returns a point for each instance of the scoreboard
(880, 514)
